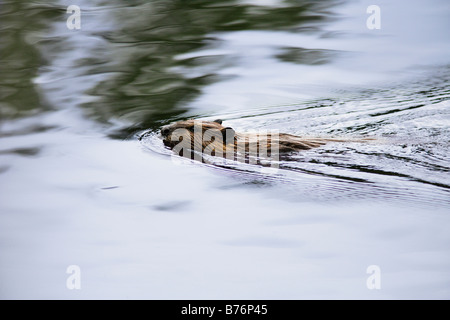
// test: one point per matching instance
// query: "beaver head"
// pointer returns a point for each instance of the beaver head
(198, 135)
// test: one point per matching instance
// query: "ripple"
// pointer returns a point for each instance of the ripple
(407, 161)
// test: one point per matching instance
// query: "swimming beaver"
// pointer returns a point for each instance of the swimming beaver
(194, 137)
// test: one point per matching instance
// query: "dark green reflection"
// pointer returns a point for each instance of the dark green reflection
(307, 56)
(149, 35)
(21, 23)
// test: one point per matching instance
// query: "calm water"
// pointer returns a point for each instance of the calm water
(85, 179)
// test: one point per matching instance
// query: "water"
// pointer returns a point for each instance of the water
(78, 186)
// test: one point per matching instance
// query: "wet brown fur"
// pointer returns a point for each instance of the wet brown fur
(212, 138)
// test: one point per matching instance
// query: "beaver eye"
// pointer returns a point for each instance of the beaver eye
(164, 131)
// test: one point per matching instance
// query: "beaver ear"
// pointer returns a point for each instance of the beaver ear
(219, 121)
(228, 134)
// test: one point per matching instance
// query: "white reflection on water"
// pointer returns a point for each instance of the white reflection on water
(101, 204)
(411, 40)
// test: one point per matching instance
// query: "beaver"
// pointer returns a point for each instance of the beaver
(194, 138)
